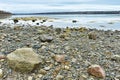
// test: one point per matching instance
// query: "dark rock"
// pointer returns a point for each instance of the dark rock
(15, 21)
(43, 20)
(33, 20)
(36, 46)
(37, 23)
(74, 21)
(58, 30)
(51, 26)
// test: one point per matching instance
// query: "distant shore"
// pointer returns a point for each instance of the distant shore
(77, 12)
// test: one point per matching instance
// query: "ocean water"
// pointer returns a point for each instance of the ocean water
(98, 21)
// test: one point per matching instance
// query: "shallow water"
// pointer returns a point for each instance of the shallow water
(99, 21)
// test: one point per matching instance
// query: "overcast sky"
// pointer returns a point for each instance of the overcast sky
(22, 6)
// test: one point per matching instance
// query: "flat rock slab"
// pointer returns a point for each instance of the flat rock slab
(23, 60)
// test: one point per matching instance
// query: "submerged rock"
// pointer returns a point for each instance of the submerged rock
(23, 60)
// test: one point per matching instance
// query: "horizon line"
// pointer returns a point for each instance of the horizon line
(71, 12)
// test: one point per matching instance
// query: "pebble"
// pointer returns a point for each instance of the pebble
(1, 73)
(30, 77)
(36, 46)
(58, 30)
(116, 79)
(2, 56)
(118, 76)
(33, 20)
(42, 71)
(83, 77)
(59, 77)
(92, 35)
(74, 21)
(2, 50)
(66, 67)
(40, 31)
(39, 76)
(17, 40)
(46, 38)
(73, 60)
(47, 68)
(15, 20)
(116, 58)
(60, 58)
(67, 47)
(97, 71)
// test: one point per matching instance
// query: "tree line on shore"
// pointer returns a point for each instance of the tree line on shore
(4, 12)
(77, 12)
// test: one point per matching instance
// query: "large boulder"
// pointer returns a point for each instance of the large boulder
(23, 60)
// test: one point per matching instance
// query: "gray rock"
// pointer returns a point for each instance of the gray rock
(30, 78)
(2, 56)
(47, 68)
(118, 76)
(1, 73)
(83, 77)
(58, 30)
(92, 35)
(59, 77)
(46, 38)
(42, 71)
(23, 60)
(116, 58)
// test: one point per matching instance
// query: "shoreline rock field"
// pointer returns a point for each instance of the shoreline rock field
(63, 53)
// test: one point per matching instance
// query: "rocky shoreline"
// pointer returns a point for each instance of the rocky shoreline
(66, 53)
